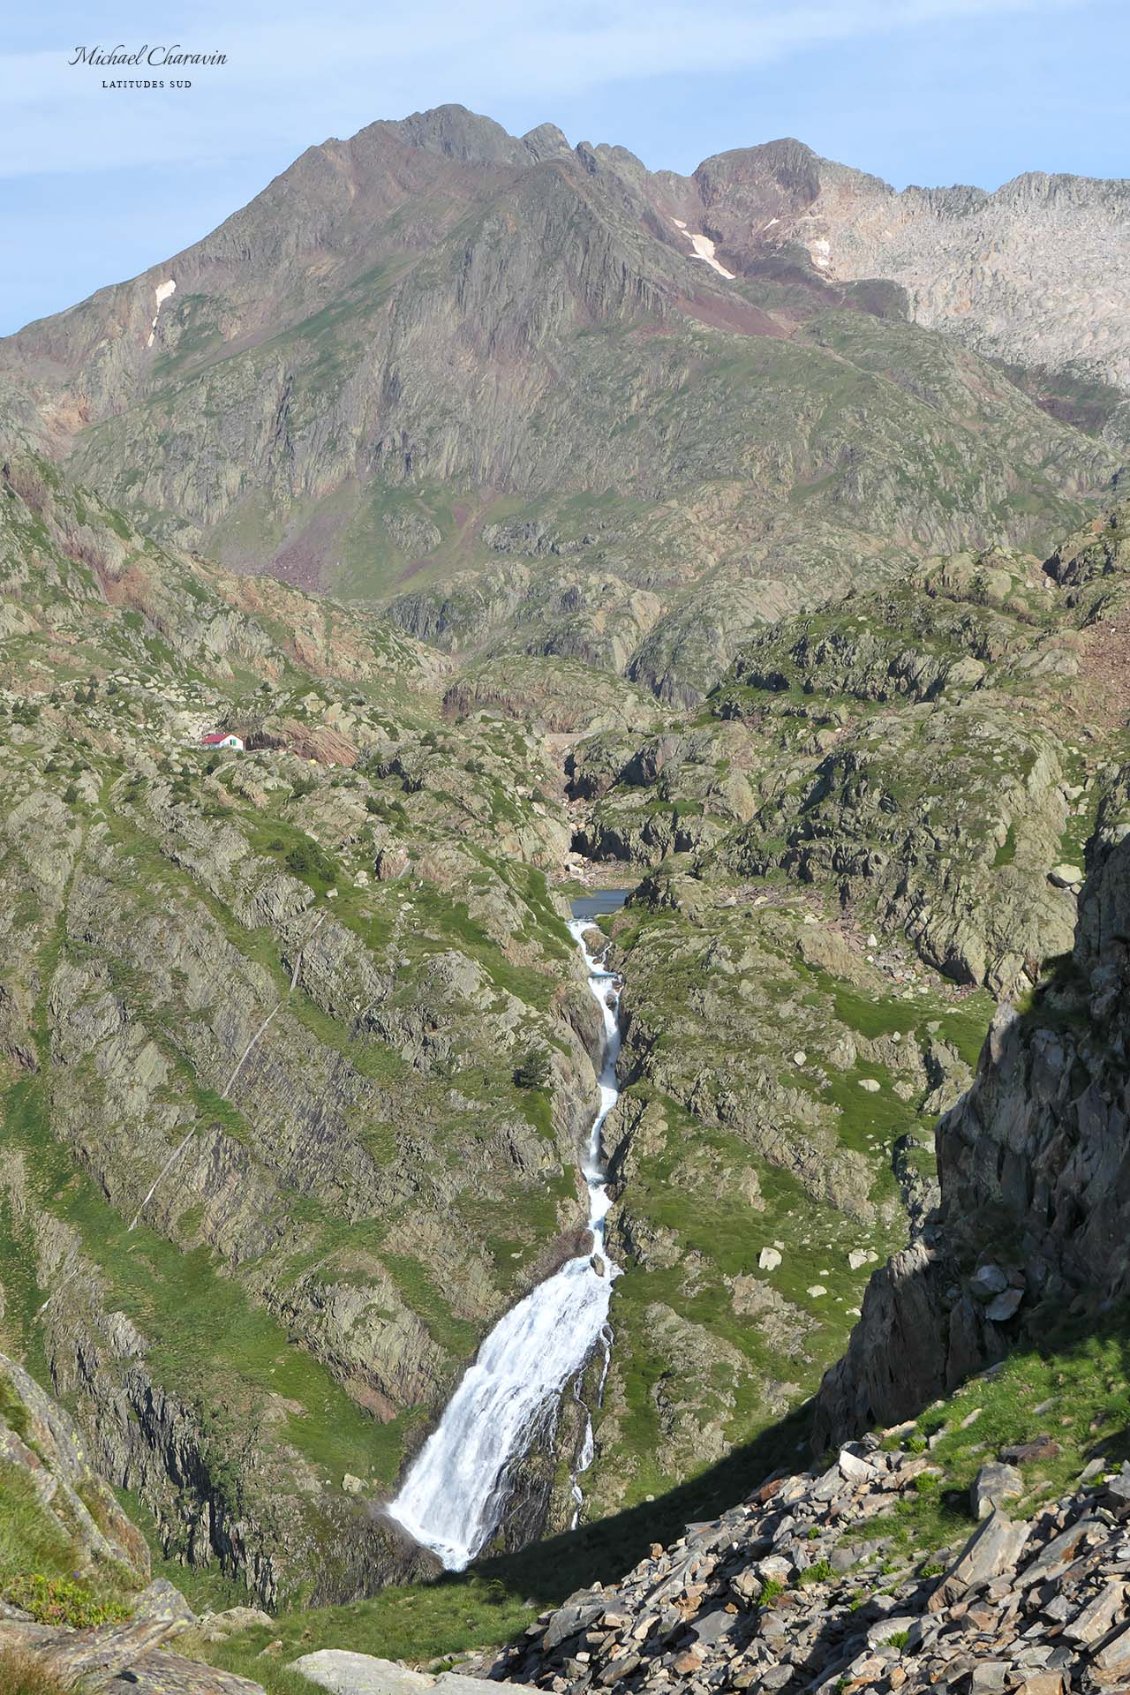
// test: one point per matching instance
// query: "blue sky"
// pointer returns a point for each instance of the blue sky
(96, 185)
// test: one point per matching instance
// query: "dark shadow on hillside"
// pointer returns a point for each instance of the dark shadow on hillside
(1083, 1357)
(601, 1552)
(1090, 1350)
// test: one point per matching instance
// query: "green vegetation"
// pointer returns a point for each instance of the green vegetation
(417, 1622)
(61, 1600)
(29, 1540)
(202, 1327)
(533, 1070)
(1075, 1377)
(38, 1556)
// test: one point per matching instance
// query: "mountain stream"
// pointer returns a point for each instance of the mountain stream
(456, 1489)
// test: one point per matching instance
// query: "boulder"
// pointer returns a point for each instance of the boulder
(161, 1600)
(1040, 1448)
(346, 1673)
(214, 1627)
(853, 1468)
(987, 1281)
(1004, 1306)
(1100, 1614)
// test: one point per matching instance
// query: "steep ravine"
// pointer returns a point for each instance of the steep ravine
(964, 1528)
(458, 1487)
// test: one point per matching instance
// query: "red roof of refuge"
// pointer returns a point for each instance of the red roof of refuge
(213, 738)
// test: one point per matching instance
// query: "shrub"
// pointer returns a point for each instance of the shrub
(533, 1070)
(61, 1600)
(309, 861)
(819, 1572)
(24, 1674)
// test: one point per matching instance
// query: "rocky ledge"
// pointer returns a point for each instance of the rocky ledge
(788, 1592)
(127, 1657)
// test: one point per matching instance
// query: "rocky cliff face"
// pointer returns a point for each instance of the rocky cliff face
(1010, 273)
(68, 1508)
(260, 1025)
(980, 1543)
(1031, 1166)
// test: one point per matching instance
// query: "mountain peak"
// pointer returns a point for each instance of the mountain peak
(462, 134)
(546, 142)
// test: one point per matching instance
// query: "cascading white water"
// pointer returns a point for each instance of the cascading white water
(455, 1492)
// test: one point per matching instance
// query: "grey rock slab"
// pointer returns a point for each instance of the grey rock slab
(215, 1626)
(994, 1548)
(162, 1600)
(993, 1484)
(894, 1625)
(776, 1677)
(346, 1673)
(827, 1487)
(1057, 1555)
(1099, 1615)
(160, 1673)
(458, 1683)
(1112, 1661)
(1004, 1306)
(1116, 1493)
(989, 1677)
(571, 1620)
(746, 1584)
(987, 1281)
(853, 1468)
(774, 1569)
(711, 1628)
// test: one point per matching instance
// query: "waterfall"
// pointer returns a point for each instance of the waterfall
(456, 1489)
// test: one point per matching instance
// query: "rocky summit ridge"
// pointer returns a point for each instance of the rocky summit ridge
(542, 399)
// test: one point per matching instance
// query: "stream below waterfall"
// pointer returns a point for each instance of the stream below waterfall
(454, 1495)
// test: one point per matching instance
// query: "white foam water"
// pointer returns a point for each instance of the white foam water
(456, 1489)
